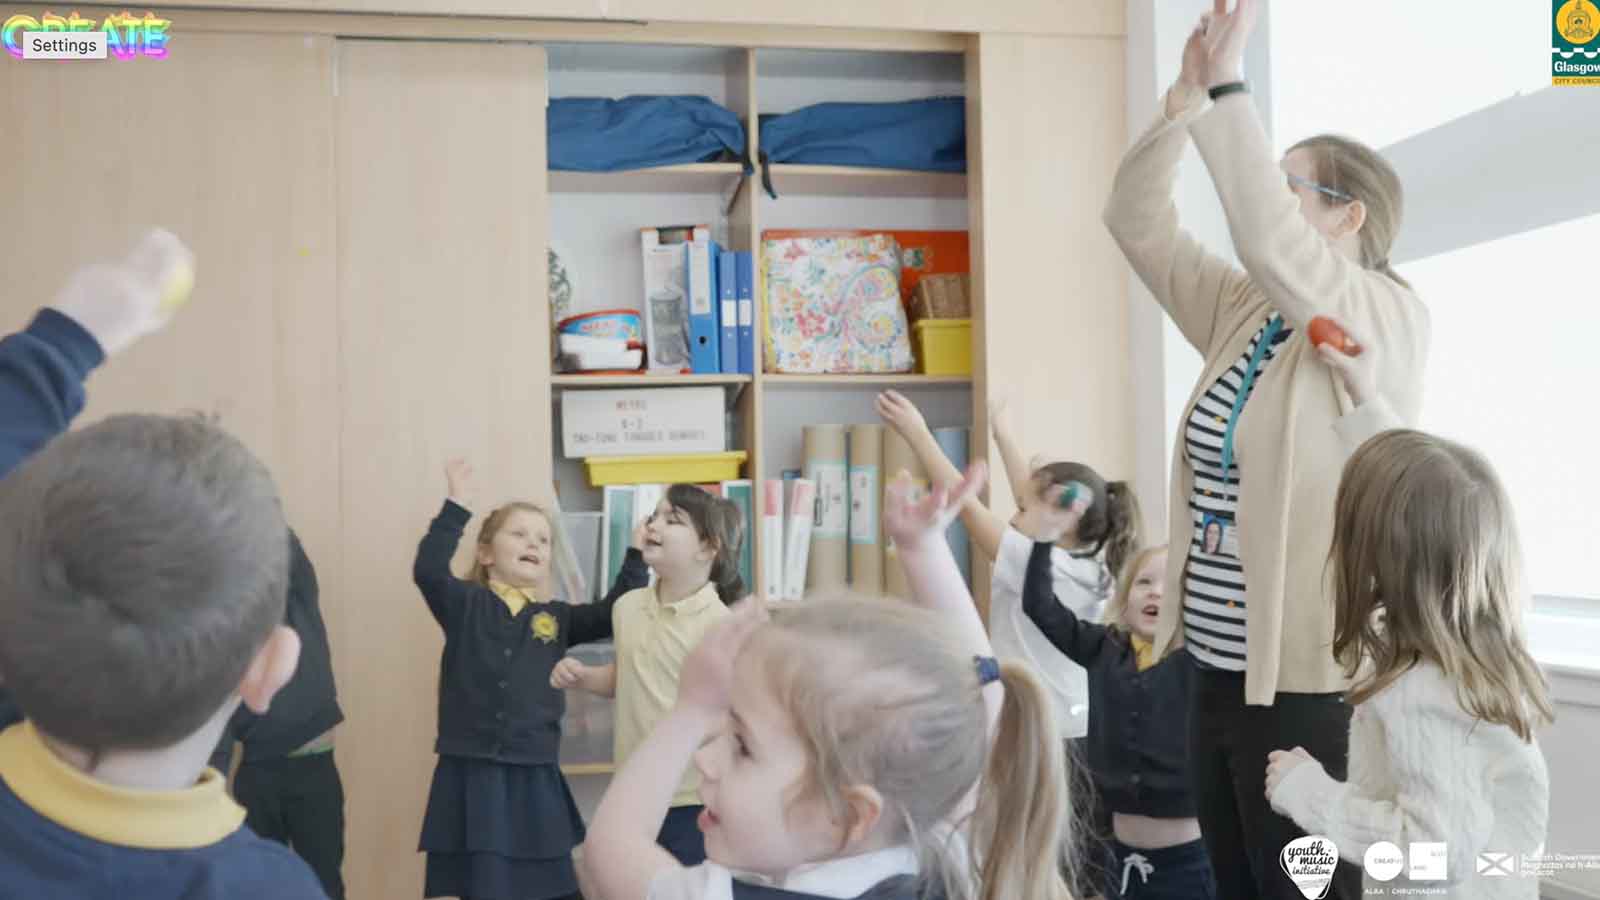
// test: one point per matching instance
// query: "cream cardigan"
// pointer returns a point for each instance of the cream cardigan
(1289, 458)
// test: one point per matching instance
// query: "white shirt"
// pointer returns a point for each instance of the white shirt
(1082, 585)
(1423, 770)
(849, 876)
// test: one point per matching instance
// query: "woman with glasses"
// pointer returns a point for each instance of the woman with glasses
(1253, 483)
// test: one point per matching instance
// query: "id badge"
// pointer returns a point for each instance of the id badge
(1219, 536)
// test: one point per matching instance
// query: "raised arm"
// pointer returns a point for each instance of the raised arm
(443, 591)
(898, 412)
(1191, 283)
(1300, 271)
(621, 858)
(931, 570)
(103, 308)
(1018, 473)
(1080, 641)
(592, 621)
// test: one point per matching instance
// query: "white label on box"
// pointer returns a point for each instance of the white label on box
(642, 421)
(833, 504)
(747, 313)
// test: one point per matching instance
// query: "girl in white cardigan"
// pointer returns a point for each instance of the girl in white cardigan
(1428, 621)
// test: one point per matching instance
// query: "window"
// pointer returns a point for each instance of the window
(1381, 71)
(1514, 370)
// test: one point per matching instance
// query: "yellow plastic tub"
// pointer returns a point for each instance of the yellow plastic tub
(944, 346)
(690, 468)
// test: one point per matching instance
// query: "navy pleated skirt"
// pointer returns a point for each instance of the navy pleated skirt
(495, 831)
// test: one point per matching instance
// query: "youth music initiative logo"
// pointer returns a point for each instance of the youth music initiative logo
(1309, 862)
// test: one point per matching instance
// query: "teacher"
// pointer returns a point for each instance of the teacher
(1257, 462)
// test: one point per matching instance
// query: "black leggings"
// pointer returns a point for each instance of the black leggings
(1228, 746)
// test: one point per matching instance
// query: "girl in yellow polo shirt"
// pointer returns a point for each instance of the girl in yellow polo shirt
(692, 543)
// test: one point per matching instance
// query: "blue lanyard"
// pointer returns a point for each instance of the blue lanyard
(1274, 325)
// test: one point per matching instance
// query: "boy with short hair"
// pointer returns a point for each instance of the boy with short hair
(143, 569)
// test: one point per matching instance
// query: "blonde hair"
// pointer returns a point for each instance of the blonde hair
(1361, 173)
(491, 526)
(1117, 607)
(898, 706)
(1426, 567)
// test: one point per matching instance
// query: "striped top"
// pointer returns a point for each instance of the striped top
(1213, 584)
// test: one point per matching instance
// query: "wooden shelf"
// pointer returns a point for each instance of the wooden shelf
(692, 178)
(859, 181)
(588, 769)
(844, 381)
(570, 381)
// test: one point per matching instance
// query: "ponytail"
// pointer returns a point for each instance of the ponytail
(1123, 526)
(1022, 824)
(1112, 523)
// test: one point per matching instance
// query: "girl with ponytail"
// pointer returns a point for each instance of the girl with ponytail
(1084, 563)
(850, 749)
(691, 542)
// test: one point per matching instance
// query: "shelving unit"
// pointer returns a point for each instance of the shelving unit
(578, 382)
(856, 181)
(692, 178)
(595, 218)
(845, 382)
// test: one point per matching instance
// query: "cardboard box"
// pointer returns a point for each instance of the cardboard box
(643, 421)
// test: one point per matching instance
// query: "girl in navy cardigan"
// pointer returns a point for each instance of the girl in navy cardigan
(501, 822)
(1138, 716)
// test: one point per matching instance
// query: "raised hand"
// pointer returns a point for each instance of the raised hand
(1044, 519)
(912, 523)
(458, 475)
(1225, 35)
(706, 682)
(120, 302)
(901, 414)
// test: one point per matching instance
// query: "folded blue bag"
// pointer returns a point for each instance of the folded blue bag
(598, 134)
(926, 135)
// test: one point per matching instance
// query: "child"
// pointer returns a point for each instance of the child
(848, 743)
(103, 308)
(143, 565)
(287, 780)
(692, 542)
(1138, 717)
(501, 822)
(1428, 607)
(1084, 561)
(1083, 564)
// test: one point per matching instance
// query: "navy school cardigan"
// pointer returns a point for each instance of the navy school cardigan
(1138, 721)
(495, 698)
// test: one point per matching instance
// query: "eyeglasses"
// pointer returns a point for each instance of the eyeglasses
(1319, 188)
